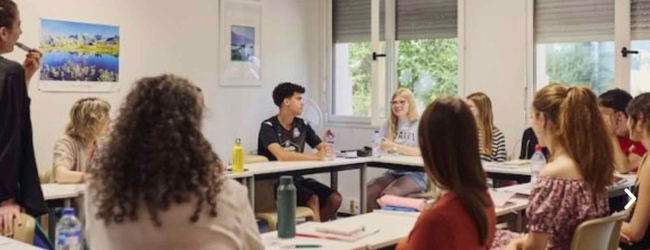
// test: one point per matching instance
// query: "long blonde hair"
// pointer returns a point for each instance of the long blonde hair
(86, 117)
(412, 113)
(580, 131)
(485, 121)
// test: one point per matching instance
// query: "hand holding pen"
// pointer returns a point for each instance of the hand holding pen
(32, 61)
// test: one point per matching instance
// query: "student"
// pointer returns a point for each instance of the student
(635, 233)
(399, 135)
(157, 184)
(463, 217)
(572, 187)
(89, 120)
(612, 105)
(492, 143)
(20, 187)
(283, 137)
(528, 143)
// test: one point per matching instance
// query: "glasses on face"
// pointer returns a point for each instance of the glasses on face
(401, 102)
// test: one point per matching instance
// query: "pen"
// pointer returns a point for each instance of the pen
(24, 47)
(301, 246)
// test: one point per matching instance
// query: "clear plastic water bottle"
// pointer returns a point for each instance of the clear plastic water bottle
(376, 145)
(68, 231)
(537, 162)
(330, 154)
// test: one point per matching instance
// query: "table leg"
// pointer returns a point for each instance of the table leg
(362, 189)
(251, 191)
(334, 180)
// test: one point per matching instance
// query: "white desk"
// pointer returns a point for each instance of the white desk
(65, 192)
(392, 228)
(6, 243)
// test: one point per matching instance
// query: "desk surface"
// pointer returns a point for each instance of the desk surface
(392, 228)
(54, 191)
(6, 243)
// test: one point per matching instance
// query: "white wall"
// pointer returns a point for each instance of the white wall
(181, 37)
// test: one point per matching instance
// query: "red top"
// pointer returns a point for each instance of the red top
(447, 225)
(631, 147)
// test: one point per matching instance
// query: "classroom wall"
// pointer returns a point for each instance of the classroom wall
(494, 63)
(180, 37)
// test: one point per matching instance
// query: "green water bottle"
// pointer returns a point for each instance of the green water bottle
(286, 205)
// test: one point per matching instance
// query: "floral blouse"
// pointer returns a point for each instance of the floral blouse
(557, 207)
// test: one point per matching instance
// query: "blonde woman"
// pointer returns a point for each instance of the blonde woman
(89, 120)
(399, 135)
(492, 143)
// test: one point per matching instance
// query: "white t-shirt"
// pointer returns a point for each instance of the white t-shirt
(407, 133)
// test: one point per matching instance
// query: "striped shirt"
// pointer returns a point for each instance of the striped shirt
(499, 153)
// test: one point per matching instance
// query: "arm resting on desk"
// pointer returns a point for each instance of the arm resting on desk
(64, 175)
(282, 155)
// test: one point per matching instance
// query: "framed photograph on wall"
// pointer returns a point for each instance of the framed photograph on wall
(240, 39)
(79, 56)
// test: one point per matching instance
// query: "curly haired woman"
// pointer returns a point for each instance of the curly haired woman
(158, 185)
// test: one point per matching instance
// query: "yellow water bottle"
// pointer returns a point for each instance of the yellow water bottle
(238, 157)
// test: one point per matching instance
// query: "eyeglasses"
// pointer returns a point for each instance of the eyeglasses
(398, 102)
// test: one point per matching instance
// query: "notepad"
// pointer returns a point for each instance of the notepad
(396, 201)
(310, 231)
(338, 229)
(500, 198)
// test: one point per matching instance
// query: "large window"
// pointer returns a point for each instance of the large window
(584, 63)
(574, 43)
(424, 57)
(580, 42)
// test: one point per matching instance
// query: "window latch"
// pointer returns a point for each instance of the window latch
(625, 51)
(375, 55)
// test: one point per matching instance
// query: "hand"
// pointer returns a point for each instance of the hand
(625, 239)
(9, 211)
(387, 144)
(32, 63)
(610, 125)
(321, 154)
(516, 244)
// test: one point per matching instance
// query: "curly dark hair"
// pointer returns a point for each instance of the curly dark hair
(157, 154)
(286, 90)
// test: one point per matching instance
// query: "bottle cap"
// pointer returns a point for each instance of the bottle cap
(286, 179)
(237, 141)
(538, 148)
(68, 211)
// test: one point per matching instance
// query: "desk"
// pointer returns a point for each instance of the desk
(275, 169)
(65, 192)
(392, 228)
(7, 243)
(410, 163)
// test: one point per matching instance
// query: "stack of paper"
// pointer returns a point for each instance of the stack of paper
(396, 201)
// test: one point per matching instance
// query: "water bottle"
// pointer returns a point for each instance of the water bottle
(537, 162)
(68, 231)
(237, 157)
(330, 154)
(286, 206)
(376, 145)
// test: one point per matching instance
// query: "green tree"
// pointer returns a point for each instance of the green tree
(429, 67)
(588, 63)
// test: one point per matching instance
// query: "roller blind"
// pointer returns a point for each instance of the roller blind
(574, 20)
(426, 19)
(415, 19)
(640, 19)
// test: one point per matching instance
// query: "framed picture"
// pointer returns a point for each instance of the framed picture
(240, 39)
(79, 57)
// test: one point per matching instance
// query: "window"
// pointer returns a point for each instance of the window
(424, 57)
(427, 48)
(640, 32)
(574, 43)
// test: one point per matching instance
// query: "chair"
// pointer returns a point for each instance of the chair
(24, 231)
(599, 234)
(265, 198)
